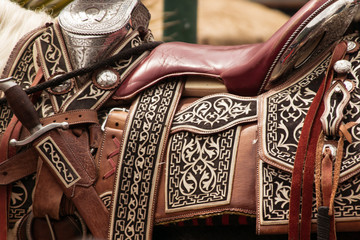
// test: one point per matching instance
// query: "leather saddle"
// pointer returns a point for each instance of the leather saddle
(246, 70)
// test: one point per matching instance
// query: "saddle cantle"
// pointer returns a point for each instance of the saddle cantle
(248, 70)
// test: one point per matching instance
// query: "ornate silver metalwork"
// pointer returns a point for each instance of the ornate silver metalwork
(350, 85)
(351, 46)
(106, 78)
(91, 27)
(65, 86)
(342, 66)
(314, 36)
(96, 17)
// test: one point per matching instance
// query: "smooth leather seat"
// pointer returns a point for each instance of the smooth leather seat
(244, 69)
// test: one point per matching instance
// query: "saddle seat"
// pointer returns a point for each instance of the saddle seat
(245, 69)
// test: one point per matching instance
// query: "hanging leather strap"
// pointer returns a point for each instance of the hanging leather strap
(4, 196)
(303, 172)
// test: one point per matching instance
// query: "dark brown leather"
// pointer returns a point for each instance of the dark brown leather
(242, 68)
(69, 227)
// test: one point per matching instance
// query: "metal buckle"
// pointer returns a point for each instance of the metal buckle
(107, 116)
(332, 148)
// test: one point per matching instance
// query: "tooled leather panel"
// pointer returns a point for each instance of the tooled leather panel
(274, 198)
(215, 113)
(242, 199)
(284, 110)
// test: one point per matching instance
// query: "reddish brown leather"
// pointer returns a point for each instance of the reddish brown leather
(242, 68)
(19, 166)
(283, 229)
(4, 196)
(107, 159)
(82, 193)
(177, 58)
(305, 158)
(243, 199)
(326, 178)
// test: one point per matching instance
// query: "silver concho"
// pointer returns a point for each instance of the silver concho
(351, 46)
(96, 17)
(106, 78)
(342, 66)
(350, 85)
(64, 87)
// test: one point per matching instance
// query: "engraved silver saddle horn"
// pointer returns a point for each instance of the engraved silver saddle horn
(315, 35)
(90, 27)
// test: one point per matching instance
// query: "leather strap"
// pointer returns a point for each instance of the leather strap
(326, 177)
(47, 194)
(107, 160)
(305, 159)
(309, 168)
(77, 175)
(19, 166)
(73, 117)
(4, 203)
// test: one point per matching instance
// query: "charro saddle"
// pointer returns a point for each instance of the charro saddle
(117, 135)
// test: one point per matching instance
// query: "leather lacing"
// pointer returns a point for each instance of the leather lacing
(110, 160)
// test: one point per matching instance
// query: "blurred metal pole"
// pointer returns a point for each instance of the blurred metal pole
(180, 20)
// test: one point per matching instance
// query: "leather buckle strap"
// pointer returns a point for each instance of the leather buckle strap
(115, 119)
(73, 117)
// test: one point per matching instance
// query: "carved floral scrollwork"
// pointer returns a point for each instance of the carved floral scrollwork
(200, 169)
(215, 113)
